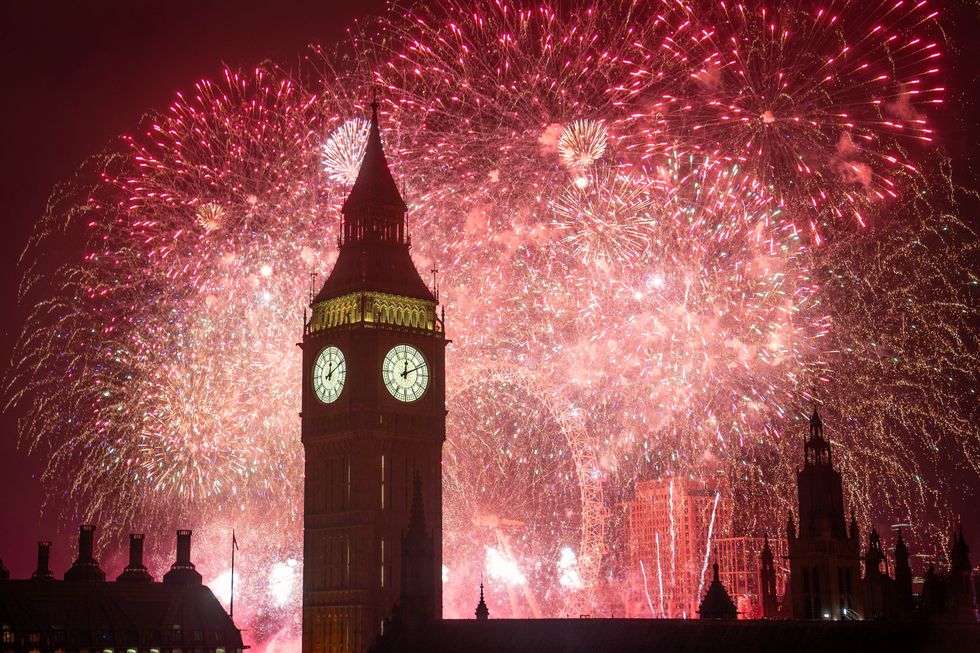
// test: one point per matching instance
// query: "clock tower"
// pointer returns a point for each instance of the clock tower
(373, 425)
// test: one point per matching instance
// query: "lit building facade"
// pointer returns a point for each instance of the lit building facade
(670, 524)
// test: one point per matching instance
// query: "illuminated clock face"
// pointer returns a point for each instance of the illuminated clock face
(329, 373)
(405, 373)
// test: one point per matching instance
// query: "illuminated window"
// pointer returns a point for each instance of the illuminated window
(8, 637)
(382, 562)
(383, 479)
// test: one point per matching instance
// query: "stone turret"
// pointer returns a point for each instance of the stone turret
(717, 603)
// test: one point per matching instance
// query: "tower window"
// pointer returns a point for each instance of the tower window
(382, 562)
(347, 494)
(383, 479)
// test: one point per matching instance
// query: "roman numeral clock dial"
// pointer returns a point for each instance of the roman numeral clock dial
(329, 374)
(405, 373)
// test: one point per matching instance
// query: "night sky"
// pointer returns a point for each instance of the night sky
(78, 74)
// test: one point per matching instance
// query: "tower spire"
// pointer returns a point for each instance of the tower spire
(816, 447)
(482, 611)
(418, 593)
(374, 189)
(374, 244)
(816, 424)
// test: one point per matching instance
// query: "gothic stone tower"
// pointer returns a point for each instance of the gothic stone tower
(373, 421)
(824, 560)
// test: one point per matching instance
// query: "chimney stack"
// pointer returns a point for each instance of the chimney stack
(135, 571)
(86, 568)
(183, 547)
(135, 549)
(43, 555)
(86, 542)
(182, 570)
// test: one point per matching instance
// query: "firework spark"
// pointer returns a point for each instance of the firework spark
(343, 151)
(582, 143)
(667, 280)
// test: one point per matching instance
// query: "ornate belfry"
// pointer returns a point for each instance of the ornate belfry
(373, 425)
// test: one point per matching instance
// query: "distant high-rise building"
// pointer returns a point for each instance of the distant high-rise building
(671, 524)
(740, 562)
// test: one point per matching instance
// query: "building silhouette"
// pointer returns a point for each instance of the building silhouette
(373, 426)
(717, 604)
(482, 612)
(822, 549)
(768, 590)
(85, 612)
(824, 558)
(960, 599)
(880, 589)
(905, 603)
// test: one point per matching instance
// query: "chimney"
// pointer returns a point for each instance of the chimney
(182, 570)
(86, 542)
(135, 571)
(43, 555)
(183, 547)
(135, 549)
(86, 568)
